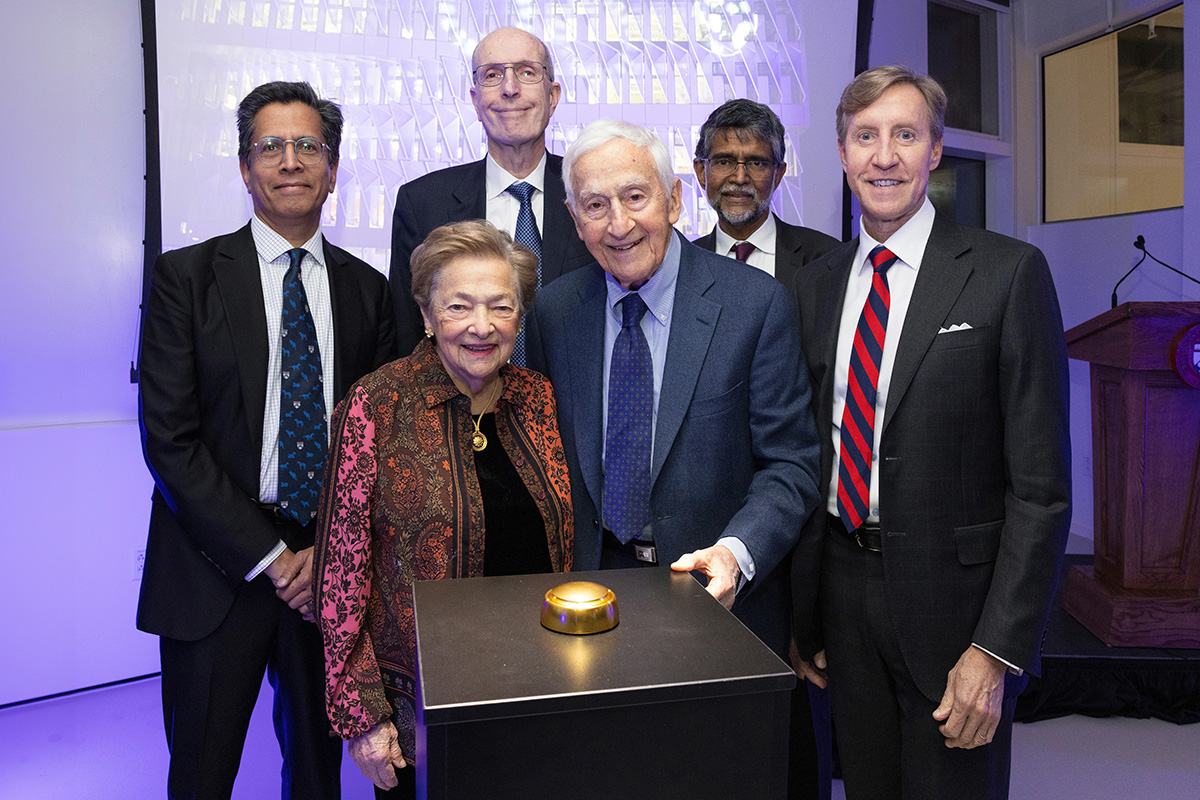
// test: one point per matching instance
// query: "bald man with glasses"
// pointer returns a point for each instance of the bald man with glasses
(517, 186)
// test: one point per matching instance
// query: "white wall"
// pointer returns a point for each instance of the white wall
(73, 486)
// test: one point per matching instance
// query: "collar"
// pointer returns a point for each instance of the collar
(270, 245)
(658, 293)
(908, 243)
(763, 239)
(499, 179)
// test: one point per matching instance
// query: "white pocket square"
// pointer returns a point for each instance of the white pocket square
(962, 326)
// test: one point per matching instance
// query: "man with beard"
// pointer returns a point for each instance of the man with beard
(740, 162)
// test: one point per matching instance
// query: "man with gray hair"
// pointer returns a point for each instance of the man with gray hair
(682, 397)
(740, 161)
(249, 341)
(516, 186)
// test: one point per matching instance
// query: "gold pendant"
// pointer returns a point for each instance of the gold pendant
(478, 441)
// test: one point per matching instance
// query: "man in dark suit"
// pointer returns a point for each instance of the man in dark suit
(938, 356)
(514, 94)
(740, 160)
(234, 418)
(704, 453)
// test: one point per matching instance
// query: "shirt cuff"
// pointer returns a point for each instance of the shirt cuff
(744, 560)
(1013, 668)
(267, 559)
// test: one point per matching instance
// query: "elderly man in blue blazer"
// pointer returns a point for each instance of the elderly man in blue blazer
(683, 398)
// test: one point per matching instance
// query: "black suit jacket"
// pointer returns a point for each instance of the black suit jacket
(975, 486)
(795, 246)
(201, 398)
(455, 194)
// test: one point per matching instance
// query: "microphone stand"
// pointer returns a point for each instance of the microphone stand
(1140, 244)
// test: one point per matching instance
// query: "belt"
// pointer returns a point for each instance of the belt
(635, 548)
(867, 536)
(280, 517)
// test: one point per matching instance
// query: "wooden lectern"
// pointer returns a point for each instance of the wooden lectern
(1144, 586)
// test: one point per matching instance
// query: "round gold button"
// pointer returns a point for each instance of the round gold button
(580, 607)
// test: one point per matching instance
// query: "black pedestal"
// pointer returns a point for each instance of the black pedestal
(680, 700)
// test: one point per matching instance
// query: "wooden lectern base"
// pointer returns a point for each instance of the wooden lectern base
(1129, 617)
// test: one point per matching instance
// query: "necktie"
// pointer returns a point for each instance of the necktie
(743, 250)
(626, 501)
(858, 416)
(527, 234)
(302, 437)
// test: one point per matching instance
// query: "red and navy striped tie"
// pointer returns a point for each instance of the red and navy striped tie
(858, 416)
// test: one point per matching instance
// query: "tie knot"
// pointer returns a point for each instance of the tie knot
(295, 257)
(522, 191)
(882, 258)
(633, 308)
(742, 250)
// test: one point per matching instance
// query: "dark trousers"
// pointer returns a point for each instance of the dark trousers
(888, 743)
(210, 686)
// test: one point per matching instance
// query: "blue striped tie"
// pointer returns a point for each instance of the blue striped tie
(527, 234)
(302, 437)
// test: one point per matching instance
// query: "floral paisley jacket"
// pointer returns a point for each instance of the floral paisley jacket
(401, 502)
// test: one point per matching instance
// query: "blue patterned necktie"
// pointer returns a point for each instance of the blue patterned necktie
(626, 501)
(862, 384)
(527, 234)
(302, 437)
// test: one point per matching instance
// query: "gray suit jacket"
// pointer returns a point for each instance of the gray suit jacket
(975, 481)
(455, 194)
(795, 246)
(735, 451)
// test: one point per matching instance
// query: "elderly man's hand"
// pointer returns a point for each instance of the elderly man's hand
(971, 706)
(295, 586)
(718, 563)
(377, 754)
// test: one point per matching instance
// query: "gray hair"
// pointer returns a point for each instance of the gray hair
(743, 117)
(286, 93)
(600, 133)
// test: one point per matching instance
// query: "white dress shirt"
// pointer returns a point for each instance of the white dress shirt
(762, 256)
(502, 207)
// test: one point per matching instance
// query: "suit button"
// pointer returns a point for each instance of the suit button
(596, 524)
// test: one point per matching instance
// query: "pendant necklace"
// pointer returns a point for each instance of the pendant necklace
(478, 441)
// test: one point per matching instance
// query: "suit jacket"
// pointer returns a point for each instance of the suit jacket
(974, 454)
(201, 402)
(795, 246)
(735, 452)
(455, 194)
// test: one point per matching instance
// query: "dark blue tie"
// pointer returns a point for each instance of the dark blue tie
(527, 234)
(302, 437)
(626, 502)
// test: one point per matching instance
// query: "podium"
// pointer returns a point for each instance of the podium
(1143, 588)
(680, 700)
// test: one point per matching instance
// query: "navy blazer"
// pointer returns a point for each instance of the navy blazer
(975, 474)
(201, 396)
(795, 246)
(455, 194)
(735, 450)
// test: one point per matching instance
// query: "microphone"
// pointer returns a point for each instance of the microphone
(1140, 244)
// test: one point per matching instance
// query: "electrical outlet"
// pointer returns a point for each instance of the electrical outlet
(139, 562)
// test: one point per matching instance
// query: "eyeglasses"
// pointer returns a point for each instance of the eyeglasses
(270, 150)
(723, 167)
(493, 74)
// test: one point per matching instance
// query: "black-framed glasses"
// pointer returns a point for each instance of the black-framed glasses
(525, 71)
(270, 150)
(756, 168)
